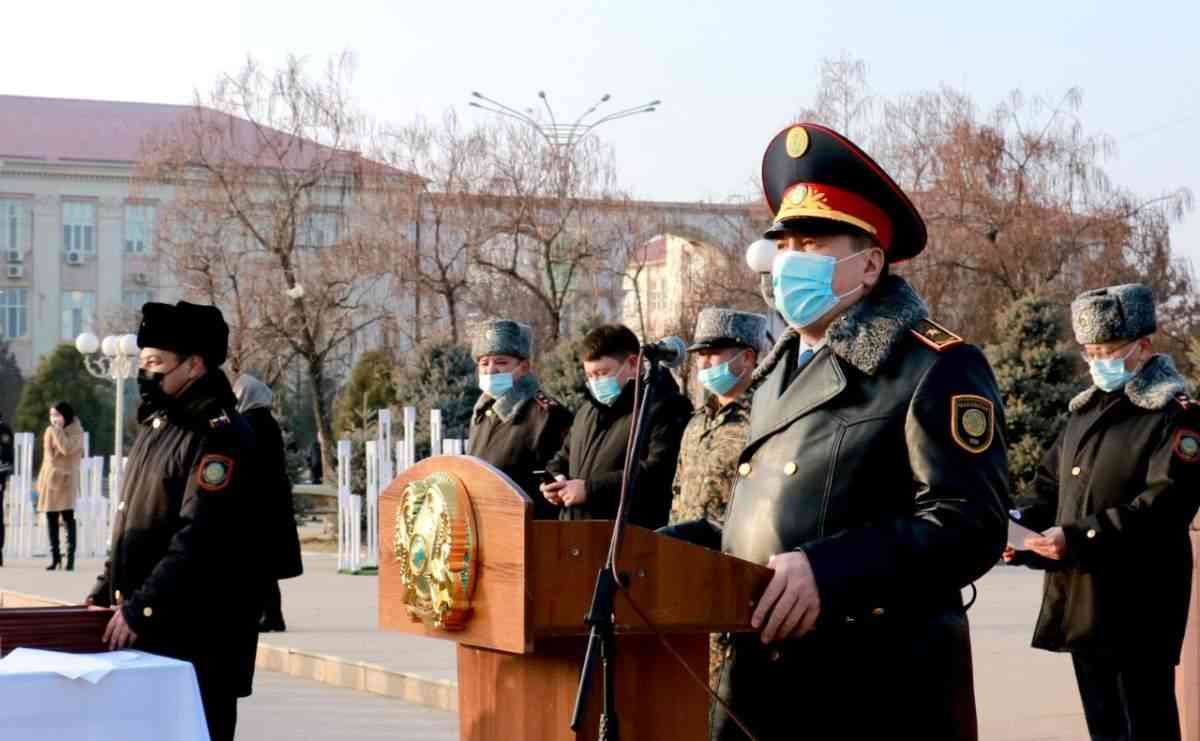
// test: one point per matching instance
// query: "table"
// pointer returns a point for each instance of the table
(142, 696)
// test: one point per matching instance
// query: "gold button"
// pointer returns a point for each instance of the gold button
(790, 468)
(744, 469)
(877, 612)
(488, 413)
(121, 506)
(157, 422)
(1091, 533)
(1075, 471)
(147, 612)
(118, 595)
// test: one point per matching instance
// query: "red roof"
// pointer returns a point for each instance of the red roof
(96, 131)
(64, 130)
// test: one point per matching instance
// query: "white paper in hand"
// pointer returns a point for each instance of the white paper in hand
(1017, 533)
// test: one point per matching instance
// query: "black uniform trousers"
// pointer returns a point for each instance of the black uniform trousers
(220, 708)
(1127, 700)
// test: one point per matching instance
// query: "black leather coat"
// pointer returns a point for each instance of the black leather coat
(184, 566)
(884, 460)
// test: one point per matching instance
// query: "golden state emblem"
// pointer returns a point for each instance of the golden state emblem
(797, 142)
(435, 549)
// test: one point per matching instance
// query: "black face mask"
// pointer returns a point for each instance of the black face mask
(150, 387)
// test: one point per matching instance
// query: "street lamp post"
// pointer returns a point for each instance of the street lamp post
(561, 136)
(117, 361)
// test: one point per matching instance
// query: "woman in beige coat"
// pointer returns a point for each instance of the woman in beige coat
(58, 480)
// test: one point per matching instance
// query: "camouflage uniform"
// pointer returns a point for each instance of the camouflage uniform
(704, 478)
(708, 456)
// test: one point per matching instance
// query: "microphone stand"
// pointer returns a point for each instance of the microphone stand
(602, 636)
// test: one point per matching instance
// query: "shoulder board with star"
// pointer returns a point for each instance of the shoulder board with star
(545, 402)
(935, 336)
(220, 421)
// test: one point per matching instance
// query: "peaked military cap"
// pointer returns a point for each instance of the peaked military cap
(720, 328)
(185, 329)
(1124, 312)
(812, 172)
(502, 337)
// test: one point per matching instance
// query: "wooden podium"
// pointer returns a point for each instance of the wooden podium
(521, 646)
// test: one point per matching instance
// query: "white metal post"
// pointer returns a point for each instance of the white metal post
(386, 467)
(410, 436)
(373, 484)
(435, 432)
(343, 482)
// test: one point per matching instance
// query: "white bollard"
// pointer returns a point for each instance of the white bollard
(355, 562)
(452, 447)
(435, 432)
(20, 486)
(343, 483)
(372, 503)
(410, 437)
(386, 467)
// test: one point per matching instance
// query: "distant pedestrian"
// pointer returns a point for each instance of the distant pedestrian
(315, 469)
(58, 480)
(281, 542)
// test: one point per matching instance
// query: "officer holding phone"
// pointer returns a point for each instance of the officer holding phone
(515, 427)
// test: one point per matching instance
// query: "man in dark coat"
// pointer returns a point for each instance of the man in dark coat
(6, 468)
(874, 479)
(589, 467)
(281, 541)
(515, 426)
(183, 571)
(1115, 496)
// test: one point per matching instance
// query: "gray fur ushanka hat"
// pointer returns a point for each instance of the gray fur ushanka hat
(502, 337)
(720, 328)
(1124, 312)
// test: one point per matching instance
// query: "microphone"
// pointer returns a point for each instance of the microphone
(670, 352)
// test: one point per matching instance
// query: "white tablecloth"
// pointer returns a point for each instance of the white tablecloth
(143, 697)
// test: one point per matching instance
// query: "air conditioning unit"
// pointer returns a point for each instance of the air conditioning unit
(74, 257)
(13, 256)
(141, 278)
(16, 271)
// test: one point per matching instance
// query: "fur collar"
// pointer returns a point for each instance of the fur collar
(506, 407)
(1152, 388)
(867, 334)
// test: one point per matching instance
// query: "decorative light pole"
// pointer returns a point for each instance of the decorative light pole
(117, 362)
(561, 136)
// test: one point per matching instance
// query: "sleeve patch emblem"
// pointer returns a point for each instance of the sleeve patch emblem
(972, 422)
(1187, 446)
(214, 472)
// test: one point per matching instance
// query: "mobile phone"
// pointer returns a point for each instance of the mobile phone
(545, 476)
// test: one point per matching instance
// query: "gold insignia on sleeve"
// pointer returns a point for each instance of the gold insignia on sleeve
(214, 472)
(797, 142)
(1187, 445)
(972, 422)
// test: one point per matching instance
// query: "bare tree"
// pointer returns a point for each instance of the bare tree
(276, 218)
(450, 214)
(550, 230)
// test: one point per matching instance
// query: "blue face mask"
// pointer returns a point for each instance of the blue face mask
(719, 379)
(1109, 374)
(803, 286)
(495, 385)
(606, 389)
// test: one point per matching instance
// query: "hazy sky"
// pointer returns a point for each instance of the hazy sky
(731, 74)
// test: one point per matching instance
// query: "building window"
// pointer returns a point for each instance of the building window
(12, 227)
(135, 299)
(319, 229)
(78, 313)
(139, 228)
(13, 312)
(79, 227)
